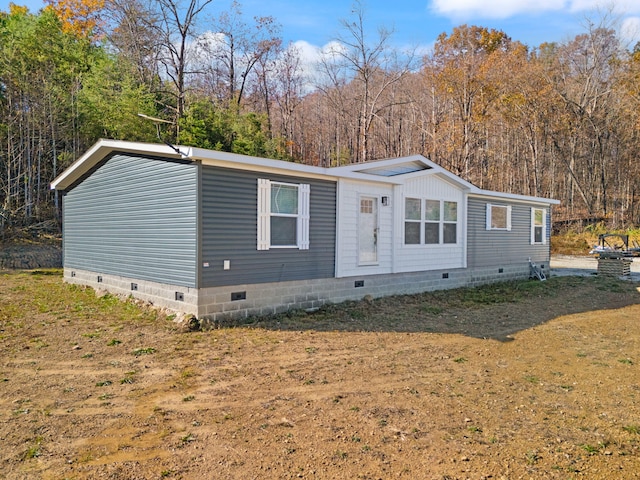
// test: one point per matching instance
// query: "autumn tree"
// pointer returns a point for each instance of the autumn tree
(582, 76)
(79, 17)
(463, 78)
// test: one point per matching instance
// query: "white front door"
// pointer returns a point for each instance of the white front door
(368, 231)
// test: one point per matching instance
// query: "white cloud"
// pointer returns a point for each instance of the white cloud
(622, 7)
(630, 30)
(464, 9)
(312, 55)
(461, 9)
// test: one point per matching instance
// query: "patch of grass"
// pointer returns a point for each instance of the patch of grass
(92, 335)
(460, 360)
(432, 309)
(186, 373)
(189, 398)
(626, 361)
(635, 429)
(33, 451)
(532, 457)
(341, 455)
(104, 383)
(311, 350)
(113, 342)
(144, 351)
(532, 379)
(572, 243)
(590, 449)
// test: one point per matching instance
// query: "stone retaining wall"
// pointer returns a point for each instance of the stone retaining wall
(29, 257)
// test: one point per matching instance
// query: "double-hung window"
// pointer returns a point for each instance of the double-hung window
(430, 222)
(283, 215)
(538, 226)
(498, 217)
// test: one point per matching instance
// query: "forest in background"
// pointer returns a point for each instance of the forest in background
(558, 120)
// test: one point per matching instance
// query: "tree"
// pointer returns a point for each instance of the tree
(370, 68)
(234, 50)
(176, 27)
(582, 77)
(41, 70)
(79, 17)
(133, 34)
(463, 77)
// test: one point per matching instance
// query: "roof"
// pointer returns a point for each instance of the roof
(389, 171)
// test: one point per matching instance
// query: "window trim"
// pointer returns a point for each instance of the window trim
(265, 214)
(489, 224)
(533, 226)
(423, 221)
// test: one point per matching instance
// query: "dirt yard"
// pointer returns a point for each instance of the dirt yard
(537, 380)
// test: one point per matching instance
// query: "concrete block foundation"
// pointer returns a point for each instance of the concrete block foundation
(221, 304)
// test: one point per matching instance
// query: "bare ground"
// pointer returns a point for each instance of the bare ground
(450, 385)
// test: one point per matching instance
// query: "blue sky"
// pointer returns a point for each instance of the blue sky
(417, 23)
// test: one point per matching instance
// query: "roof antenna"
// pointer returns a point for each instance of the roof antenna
(157, 122)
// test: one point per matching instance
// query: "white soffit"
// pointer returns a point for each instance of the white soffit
(398, 169)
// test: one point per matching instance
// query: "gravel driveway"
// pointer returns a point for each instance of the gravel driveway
(562, 265)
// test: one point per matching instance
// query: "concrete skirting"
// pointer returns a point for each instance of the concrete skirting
(221, 304)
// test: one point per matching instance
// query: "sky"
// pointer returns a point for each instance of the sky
(312, 24)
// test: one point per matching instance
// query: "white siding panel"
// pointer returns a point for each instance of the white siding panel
(349, 193)
(413, 258)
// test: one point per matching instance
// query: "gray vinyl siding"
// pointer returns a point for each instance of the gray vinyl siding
(135, 217)
(229, 232)
(497, 247)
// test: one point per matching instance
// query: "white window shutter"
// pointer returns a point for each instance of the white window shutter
(488, 216)
(544, 226)
(509, 217)
(303, 216)
(264, 214)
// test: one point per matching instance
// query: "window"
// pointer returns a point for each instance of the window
(413, 220)
(498, 217)
(450, 222)
(538, 226)
(430, 222)
(283, 215)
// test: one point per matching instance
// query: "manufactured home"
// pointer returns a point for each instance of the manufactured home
(219, 235)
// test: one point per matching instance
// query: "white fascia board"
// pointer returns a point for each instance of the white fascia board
(488, 194)
(355, 170)
(257, 164)
(352, 167)
(369, 177)
(102, 149)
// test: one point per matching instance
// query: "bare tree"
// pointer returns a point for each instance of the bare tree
(176, 26)
(235, 48)
(131, 31)
(370, 69)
